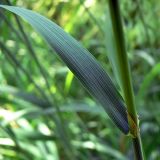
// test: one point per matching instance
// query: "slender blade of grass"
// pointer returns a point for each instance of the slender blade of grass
(84, 66)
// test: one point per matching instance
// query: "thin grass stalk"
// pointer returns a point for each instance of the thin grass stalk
(125, 78)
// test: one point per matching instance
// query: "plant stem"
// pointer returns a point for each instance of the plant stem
(125, 77)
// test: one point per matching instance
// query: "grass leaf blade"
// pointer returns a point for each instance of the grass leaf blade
(84, 66)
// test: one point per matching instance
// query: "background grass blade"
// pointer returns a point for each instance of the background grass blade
(81, 63)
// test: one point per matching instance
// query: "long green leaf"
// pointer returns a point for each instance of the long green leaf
(84, 66)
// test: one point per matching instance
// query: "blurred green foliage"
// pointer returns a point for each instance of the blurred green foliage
(34, 83)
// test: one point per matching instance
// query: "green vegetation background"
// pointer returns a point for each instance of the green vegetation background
(31, 76)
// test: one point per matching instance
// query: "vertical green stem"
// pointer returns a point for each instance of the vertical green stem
(125, 77)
